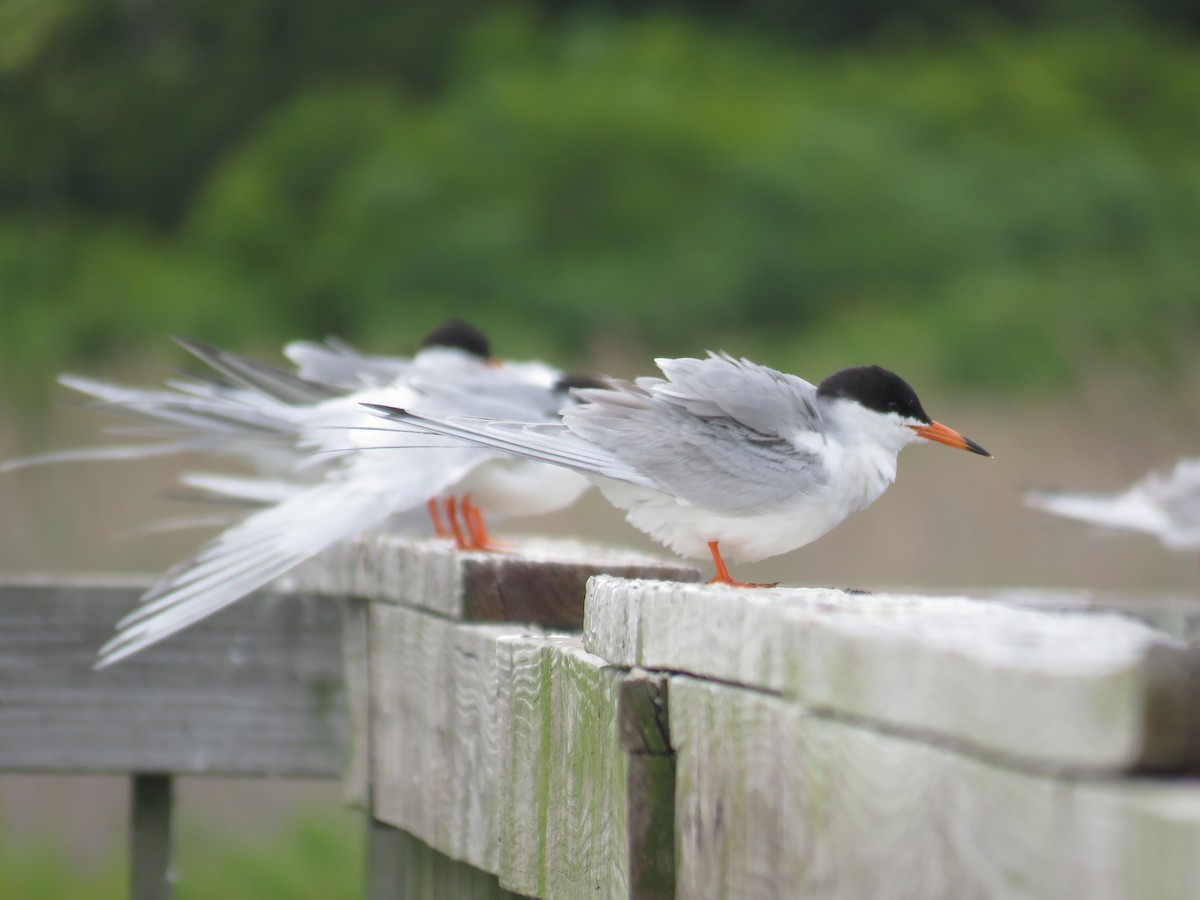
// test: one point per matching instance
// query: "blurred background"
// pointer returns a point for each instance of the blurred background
(1000, 200)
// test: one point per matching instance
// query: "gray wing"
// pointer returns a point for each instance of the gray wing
(337, 363)
(762, 399)
(1178, 494)
(260, 376)
(192, 416)
(718, 433)
(1131, 509)
(549, 442)
(1166, 506)
(260, 548)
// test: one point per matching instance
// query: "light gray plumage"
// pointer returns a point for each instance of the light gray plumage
(722, 451)
(324, 473)
(1166, 506)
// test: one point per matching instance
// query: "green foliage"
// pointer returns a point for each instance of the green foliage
(39, 870)
(994, 209)
(118, 108)
(317, 857)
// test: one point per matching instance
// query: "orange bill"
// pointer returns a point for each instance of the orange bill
(936, 431)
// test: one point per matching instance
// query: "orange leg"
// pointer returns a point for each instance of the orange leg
(477, 528)
(477, 532)
(435, 515)
(460, 542)
(723, 576)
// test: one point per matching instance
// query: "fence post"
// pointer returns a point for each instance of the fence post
(151, 872)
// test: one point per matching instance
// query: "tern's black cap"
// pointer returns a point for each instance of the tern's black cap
(570, 381)
(875, 388)
(459, 335)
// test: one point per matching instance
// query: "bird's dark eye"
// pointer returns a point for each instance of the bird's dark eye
(893, 406)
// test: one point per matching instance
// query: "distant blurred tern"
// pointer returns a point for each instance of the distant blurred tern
(724, 457)
(1165, 506)
(331, 473)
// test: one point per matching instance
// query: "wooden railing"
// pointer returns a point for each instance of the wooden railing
(667, 740)
(256, 691)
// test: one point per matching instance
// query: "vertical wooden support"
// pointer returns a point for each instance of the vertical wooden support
(402, 867)
(151, 872)
(356, 776)
(587, 777)
(385, 861)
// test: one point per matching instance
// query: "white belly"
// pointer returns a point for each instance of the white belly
(519, 487)
(687, 529)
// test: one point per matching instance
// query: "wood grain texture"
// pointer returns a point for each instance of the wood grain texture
(582, 814)
(356, 672)
(773, 800)
(401, 867)
(254, 690)
(1089, 693)
(541, 580)
(434, 737)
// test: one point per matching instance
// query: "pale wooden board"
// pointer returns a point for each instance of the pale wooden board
(254, 690)
(773, 800)
(541, 580)
(585, 810)
(356, 669)
(400, 867)
(1175, 614)
(1082, 692)
(433, 729)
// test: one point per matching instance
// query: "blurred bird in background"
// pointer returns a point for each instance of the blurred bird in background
(325, 473)
(1163, 505)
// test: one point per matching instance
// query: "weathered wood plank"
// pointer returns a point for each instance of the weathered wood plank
(151, 837)
(356, 668)
(254, 690)
(404, 868)
(1088, 693)
(1175, 614)
(776, 801)
(585, 809)
(541, 580)
(434, 742)
(386, 861)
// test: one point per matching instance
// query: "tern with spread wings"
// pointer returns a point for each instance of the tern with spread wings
(722, 457)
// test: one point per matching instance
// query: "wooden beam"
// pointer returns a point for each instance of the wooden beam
(152, 837)
(1089, 693)
(774, 800)
(585, 809)
(1175, 614)
(356, 666)
(540, 580)
(433, 729)
(403, 868)
(254, 690)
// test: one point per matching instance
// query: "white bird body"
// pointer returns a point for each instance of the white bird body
(1166, 506)
(723, 452)
(326, 472)
(367, 486)
(851, 477)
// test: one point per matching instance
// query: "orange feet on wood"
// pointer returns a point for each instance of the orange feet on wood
(477, 532)
(723, 576)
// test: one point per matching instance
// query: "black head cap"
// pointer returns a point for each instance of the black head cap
(568, 382)
(875, 388)
(459, 335)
